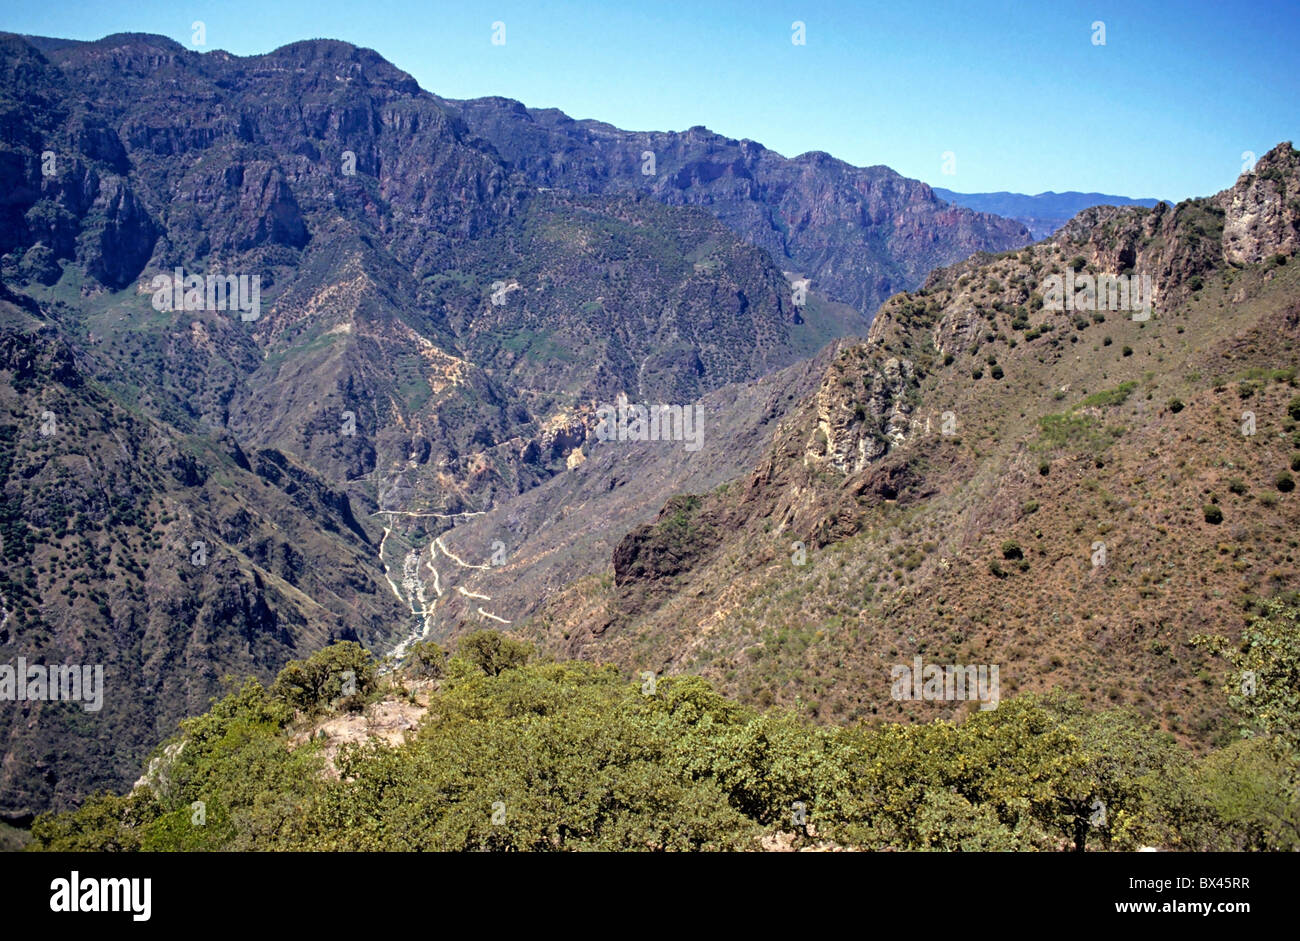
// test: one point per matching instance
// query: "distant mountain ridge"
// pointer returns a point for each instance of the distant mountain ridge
(861, 234)
(1042, 214)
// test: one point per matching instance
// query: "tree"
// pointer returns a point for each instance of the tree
(1253, 803)
(1264, 684)
(1263, 687)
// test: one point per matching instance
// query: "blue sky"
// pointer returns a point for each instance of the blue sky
(1018, 93)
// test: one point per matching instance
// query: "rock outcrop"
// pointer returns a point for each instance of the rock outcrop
(1262, 212)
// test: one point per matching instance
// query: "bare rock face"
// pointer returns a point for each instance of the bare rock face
(862, 409)
(862, 406)
(389, 721)
(560, 438)
(157, 776)
(1119, 240)
(565, 435)
(243, 204)
(1262, 212)
(957, 328)
(118, 235)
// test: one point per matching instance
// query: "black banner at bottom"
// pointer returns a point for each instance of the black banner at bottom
(360, 890)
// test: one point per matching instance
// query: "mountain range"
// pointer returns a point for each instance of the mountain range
(438, 320)
(1042, 214)
(404, 441)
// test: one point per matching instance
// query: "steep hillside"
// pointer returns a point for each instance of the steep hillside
(449, 297)
(168, 559)
(1071, 495)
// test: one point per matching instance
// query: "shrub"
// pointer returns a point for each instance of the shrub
(996, 372)
(493, 652)
(1213, 514)
(1127, 351)
(1285, 482)
(341, 670)
(1237, 486)
(1011, 550)
(1175, 406)
(427, 659)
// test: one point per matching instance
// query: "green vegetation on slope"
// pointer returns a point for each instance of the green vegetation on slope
(547, 756)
